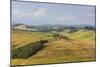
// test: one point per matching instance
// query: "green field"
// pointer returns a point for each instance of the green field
(68, 47)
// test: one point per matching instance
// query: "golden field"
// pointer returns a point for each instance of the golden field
(74, 47)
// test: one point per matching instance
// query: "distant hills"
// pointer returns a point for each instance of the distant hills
(48, 27)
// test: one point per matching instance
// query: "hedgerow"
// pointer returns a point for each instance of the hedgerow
(28, 50)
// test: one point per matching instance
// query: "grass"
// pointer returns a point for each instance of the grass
(80, 35)
(84, 35)
(22, 38)
(80, 48)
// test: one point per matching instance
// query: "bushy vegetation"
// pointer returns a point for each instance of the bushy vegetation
(28, 50)
(90, 28)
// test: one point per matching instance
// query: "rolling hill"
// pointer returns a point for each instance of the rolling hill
(72, 47)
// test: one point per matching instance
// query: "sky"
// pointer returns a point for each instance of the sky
(33, 13)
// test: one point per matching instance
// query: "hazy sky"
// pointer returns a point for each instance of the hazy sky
(32, 13)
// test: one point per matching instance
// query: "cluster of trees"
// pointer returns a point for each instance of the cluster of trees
(57, 35)
(89, 28)
(28, 50)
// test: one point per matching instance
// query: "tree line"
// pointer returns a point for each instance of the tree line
(28, 50)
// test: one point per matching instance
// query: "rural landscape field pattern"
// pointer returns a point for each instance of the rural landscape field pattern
(52, 43)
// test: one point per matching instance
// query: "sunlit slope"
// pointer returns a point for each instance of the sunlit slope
(21, 38)
(80, 35)
(60, 51)
(80, 47)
